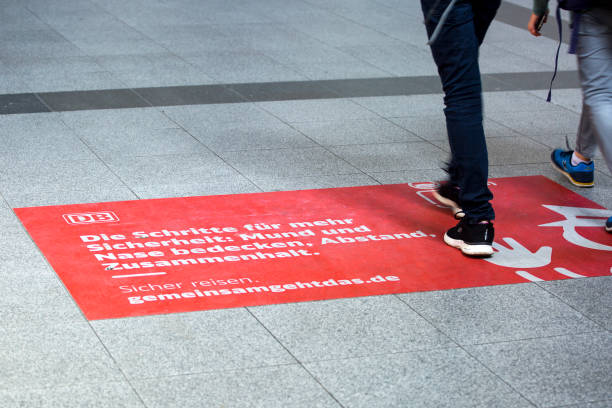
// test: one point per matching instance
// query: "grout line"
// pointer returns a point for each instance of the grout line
(467, 352)
(294, 357)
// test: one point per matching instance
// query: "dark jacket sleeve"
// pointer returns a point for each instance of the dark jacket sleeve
(540, 7)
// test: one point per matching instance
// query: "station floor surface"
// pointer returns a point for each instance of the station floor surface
(109, 100)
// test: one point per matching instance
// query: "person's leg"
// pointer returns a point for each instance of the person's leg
(594, 51)
(579, 170)
(586, 141)
(484, 13)
(456, 55)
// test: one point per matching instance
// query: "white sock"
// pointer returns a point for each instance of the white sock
(577, 160)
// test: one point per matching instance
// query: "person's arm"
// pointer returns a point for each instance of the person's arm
(540, 8)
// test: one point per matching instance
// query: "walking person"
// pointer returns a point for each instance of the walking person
(594, 52)
(456, 29)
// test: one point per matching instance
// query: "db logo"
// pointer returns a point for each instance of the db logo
(91, 217)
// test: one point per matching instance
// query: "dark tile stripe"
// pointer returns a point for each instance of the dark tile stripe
(189, 95)
(284, 91)
(91, 100)
(266, 91)
(21, 103)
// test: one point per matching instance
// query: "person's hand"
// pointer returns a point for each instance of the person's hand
(531, 26)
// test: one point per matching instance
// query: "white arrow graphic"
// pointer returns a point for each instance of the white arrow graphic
(579, 217)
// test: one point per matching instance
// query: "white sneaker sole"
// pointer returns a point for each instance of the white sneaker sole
(457, 211)
(473, 250)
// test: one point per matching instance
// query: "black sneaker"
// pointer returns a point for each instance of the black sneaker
(448, 195)
(609, 225)
(471, 239)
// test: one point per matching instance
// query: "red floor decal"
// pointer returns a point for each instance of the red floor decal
(135, 258)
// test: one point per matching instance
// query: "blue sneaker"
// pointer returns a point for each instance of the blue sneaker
(609, 225)
(580, 175)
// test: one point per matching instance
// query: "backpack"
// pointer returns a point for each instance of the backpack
(576, 6)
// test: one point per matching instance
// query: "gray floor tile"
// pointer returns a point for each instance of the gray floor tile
(516, 150)
(235, 67)
(250, 136)
(106, 394)
(136, 62)
(281, 386)
(96, 193)
(53, 355)
(344, 328)
(517, 170)
(395, 58)
(498, 313)
(117, 144)
(156, 77)
(598, 404)
(9, 223)
(433, 127)
(409, 176)
(496, 59)
(67, 81)
(316, 110)
(65, 176)
(170, 169)
(11, 83)
(191, 343)
(435, 378)
(340, 32)
(199, 115)
(42, 145)
(541, 50)
(18, 124)
(398, 106)
(567, 98)
(278, 183)
(263, 37)
(502, 104)
(37, 44)
(41, 302)
(560, 141)
(508, 150)
(591, 297)
(19, 256)
(392, 156)
(351, 132)
(97, 121)
(204, 187)
(533, 126)
(553, 371)
(45, 66)
(17, 17)
(98, 46)
(326, 63)
(259, 164)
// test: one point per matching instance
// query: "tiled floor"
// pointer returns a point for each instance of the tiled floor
(105, 100)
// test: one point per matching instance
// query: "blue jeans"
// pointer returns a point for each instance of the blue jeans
(455, 53)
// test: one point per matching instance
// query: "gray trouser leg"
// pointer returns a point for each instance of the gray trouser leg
(595, 66)
(586, 141)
